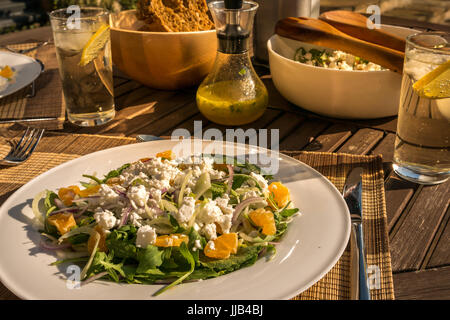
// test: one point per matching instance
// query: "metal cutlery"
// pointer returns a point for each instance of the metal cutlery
(147, 137)
(353, 197)
(23, 51)
(21, 151)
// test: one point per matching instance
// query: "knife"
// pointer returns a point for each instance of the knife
(147, 137)
(353, 197)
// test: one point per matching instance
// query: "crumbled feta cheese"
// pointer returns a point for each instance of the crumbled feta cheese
(107, 195)
(105, 218)
(209, 231)
(260, 179)
(145, 236)
(155, 194)
(136, 219)
(211, 245)
(222, 203)
(138, 195)
(209, 213)
(225, 222)
(186, 210)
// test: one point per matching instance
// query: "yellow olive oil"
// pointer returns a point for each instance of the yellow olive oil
(233, 102)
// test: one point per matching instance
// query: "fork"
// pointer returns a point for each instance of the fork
(23, 51)
(21, 151)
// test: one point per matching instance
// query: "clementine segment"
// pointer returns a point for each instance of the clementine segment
(62, 221)
(222, 247)
(172, 240)
(7, 72)
(89, 191)
(102, 243)
(265, 219)
(168, 154)
(280, 194)
(68, 194)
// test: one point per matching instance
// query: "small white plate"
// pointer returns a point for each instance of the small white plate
(311, 246)
(26, 71)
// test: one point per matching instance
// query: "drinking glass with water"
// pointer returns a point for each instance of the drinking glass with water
(422, 145)
(83, 48)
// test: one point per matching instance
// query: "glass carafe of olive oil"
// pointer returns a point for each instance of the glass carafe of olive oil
(232, 93)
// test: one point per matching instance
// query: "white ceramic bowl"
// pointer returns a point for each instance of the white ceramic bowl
(334, 93)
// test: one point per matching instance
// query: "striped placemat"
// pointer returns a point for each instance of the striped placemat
(56, 148)
(47, 104)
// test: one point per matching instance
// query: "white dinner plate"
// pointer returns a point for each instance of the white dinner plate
(312, 245)
(26, 71)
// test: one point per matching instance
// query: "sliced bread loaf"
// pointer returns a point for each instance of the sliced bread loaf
(174, 15)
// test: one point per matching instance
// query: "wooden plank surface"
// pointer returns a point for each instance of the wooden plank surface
(418, 217)
(432, 284)
(412, 239)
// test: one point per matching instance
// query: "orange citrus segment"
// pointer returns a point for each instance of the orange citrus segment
(89, 191)
(222, 247)
(63, 222)
(102, 243)
(173, 240)
(68, 194)
(7, 72)
(263, 218)
(168, 154)
(280, 194)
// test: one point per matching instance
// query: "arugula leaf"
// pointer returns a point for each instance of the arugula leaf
(288, 212)
(193, 236)
(238, 180)
(122, 242)
(93, 178)
(78, 238)
(176, 226)
(103, 262)
(116, 173)
(149, 259)
(188, 256)
(49, 201)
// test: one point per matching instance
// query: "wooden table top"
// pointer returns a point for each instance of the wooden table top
(418, 216)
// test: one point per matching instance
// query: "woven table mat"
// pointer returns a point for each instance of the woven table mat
(46, 104)
(57, 148)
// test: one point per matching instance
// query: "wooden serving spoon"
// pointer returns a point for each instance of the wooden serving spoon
(357, 25)
(318, 32)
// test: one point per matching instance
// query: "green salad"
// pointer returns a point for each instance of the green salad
(163, 220)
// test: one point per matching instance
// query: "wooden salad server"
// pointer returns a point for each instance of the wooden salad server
(318, 32)
(356, 25)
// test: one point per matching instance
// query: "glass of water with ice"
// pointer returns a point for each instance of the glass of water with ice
(83, 49)
(422, 145)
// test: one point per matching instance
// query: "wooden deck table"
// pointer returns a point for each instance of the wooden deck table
(418, 216)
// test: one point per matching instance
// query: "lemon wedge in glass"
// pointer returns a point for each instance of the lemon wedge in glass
(94, 45)
(435, 84)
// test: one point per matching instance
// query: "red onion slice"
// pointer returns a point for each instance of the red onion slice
(59, 203)
(124, 219)
(64, 210)
(241, 206)
(50, 246)
(83, 210)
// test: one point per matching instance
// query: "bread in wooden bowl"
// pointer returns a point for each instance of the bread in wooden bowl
(174, 15)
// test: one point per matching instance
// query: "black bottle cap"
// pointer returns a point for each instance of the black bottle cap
(233, 4)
